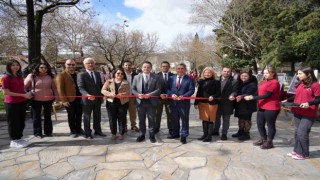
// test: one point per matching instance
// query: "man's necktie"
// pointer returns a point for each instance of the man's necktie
(165, 77)
(92, 77)
(146, 83)
(178, 84)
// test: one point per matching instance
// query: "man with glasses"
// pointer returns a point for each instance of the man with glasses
(180, 86)
(90, 85)
(130, 74)
(163, 77)
(68, 88)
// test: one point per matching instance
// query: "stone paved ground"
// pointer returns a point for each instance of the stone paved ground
(62, 157)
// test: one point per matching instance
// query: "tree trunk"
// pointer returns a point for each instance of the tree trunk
(38, 25)
(31, 34)
(292, 67)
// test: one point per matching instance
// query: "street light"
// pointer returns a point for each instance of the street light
(124, 32)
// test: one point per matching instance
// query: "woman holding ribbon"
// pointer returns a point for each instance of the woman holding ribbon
(45, 92)
(308, 96)
(248, 85)
(209, 88)
(268, 107)
(116, 105)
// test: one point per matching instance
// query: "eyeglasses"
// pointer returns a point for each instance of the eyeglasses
(71, 64)
(89, 63)
(43, 67)
(119, 73)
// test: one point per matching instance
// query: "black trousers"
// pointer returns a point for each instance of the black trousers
(159, 110)
(146, 110)
(74, 116)
(16, 115)
(96, 110)
(269, 117)
(117, 114)
(36, 116)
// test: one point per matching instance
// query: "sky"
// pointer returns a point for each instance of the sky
(167, 18)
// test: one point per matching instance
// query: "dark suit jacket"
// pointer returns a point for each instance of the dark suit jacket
(231, 88)
(153, 87)
(87, 86)
(163, 82)
(186, 87)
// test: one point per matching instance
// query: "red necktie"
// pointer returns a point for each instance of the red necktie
(178, 84)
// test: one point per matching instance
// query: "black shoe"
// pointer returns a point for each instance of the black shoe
(183, 140)
(156, 131)
(152, 139)
(82, 132)
(224, 137)
(100, 134)
(202, 137)
(215, 133)
(89, 136)
(173, 137)
(73, 135)
(141, 138)
(238, 134)
(207, 139)
(244, 137)
(39, 136)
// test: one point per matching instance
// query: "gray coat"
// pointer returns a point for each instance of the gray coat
(231, 88)
(154, 88)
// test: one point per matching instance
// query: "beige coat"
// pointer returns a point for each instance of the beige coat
(109, 87)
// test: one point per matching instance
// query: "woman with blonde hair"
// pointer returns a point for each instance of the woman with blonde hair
(208, 88)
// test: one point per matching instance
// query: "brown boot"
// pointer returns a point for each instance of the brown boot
(267, 144)
(259, 142)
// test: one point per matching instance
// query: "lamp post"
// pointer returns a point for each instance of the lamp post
(124, 31)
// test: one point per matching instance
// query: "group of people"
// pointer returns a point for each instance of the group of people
(145, 94)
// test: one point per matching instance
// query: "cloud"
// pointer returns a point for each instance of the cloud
(167, 18)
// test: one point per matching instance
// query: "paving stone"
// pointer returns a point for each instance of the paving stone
(58, 170)
(14, 153)
(7, 163)
(116, 156)
(205, 173)
(30, 170)
(52, 155)
(93, 150)
(122, 165)
(10, 172)
(27, 158)
(191, 162)
(81, 162)
(165, 166)
(88, 174)
(111, 175)
(141, 174)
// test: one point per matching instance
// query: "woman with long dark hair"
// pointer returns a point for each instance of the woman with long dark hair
(268, 107)
(45, 92)
(209, 88)
(248, 85)
(15, 103)
(308, 96)
(116, 106)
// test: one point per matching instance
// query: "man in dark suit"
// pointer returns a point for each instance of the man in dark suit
(180, 86)
(163, 77)
(229, 90)
(144, 86)
(127, 66)
(90, 85)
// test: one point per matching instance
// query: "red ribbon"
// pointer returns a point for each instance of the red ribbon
(133, 96)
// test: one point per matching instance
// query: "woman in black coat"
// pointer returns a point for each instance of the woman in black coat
(248, 85)
(209, 88)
